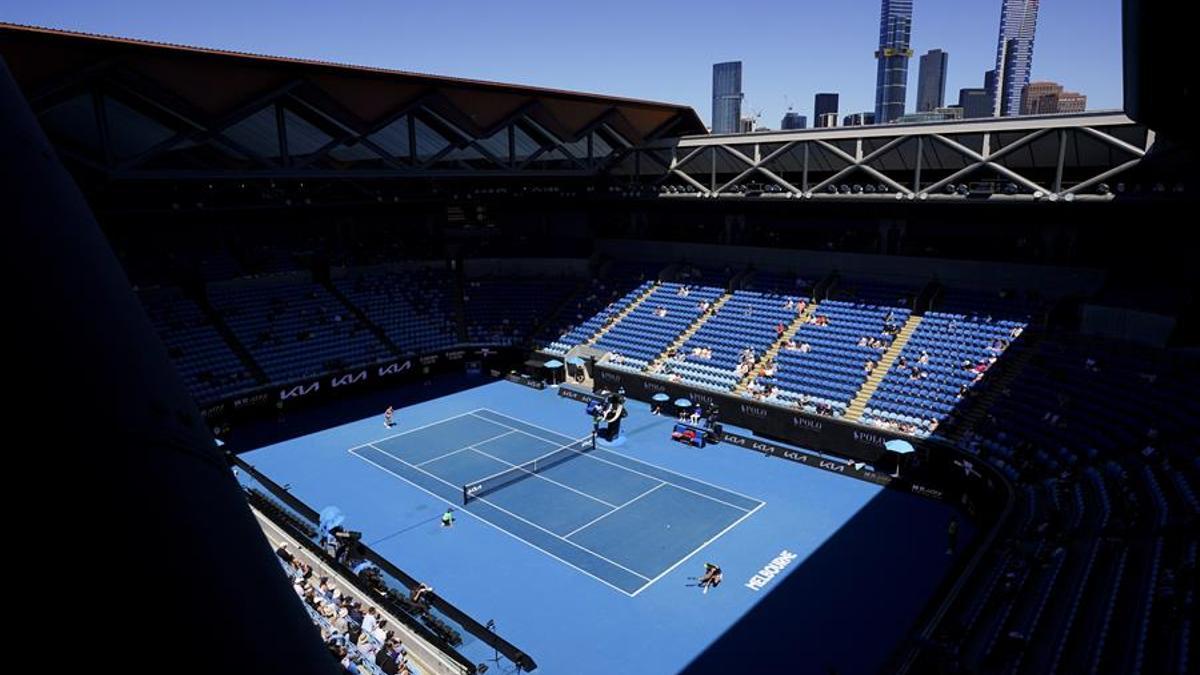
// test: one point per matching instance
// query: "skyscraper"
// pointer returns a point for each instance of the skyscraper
(824, 104)
(1014, 55)
(826, 120)
(727, 97)
(931, 80)
(975, 102)
(793, 120)
(891, 80)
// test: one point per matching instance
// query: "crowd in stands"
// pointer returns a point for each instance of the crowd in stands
(357, 635)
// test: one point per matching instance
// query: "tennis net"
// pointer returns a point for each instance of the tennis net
(488, 484)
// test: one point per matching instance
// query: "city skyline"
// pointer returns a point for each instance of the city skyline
(841, 39)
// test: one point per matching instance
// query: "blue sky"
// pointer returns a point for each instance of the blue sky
(660, 50)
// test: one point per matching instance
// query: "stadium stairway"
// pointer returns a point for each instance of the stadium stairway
(855, 411)
(1019, 353)
(551, 317)
(226, 332)
(623, 313)
(690, 331)
(375, 329)
(770, 354)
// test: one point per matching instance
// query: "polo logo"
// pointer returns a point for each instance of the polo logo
(701, 397)
(655, 387)
(806, 423)
(754, 411)
(298, 391)
(486, 352)
(609, 377)
(867, 437)
(429, 360)
(348, 379)
(455, 356)
(395, 368)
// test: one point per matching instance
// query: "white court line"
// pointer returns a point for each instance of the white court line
(488, 522)
(462, 449)
(426, 426)
(700, 547)
(592, 455)
(504, 510)
(623, 456)
(597, 519)
(538, 475)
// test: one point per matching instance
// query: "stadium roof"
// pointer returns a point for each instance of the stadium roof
(130, 107)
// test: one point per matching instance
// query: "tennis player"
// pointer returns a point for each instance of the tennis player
(711, 578)
(387, 417)
(448, 518)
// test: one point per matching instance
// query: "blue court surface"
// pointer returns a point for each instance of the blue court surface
(589, 562)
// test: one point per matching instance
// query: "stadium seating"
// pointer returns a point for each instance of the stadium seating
(413, 308)
(828, 365)
(209, 367)
(643, 334)
(506, 310)
(747, 320)
(947, 354)
(295, 329)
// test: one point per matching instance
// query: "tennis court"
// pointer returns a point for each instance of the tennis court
(621, 521)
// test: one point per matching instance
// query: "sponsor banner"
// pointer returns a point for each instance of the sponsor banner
(252, 401)
(352, 380)
(212, 411)
(833, 466)
(393, 369)
(347, 379)
(823, 434)
(527, 381)
(299, 391)
(581, 395)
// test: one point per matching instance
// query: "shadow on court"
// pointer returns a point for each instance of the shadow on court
(846, 607)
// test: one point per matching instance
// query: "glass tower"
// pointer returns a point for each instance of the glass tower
(1014, 55)
(727, 97)
(891, 80)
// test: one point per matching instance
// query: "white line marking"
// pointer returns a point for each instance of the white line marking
(550, 480)
(504, 510)
(597, 519)
(462, 449)
(426, 426)
(488, 522)
(592, 455)
(599, 448)
(700, 547)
